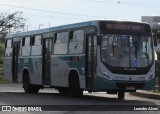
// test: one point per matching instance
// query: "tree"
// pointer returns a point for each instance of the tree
(156, 31)
(10, 22)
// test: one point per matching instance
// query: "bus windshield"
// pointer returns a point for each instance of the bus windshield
(119, 50)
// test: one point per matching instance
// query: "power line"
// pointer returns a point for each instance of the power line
(52, 17)
(102, 1)
(125, 3)
(71, 14)
(137, 4)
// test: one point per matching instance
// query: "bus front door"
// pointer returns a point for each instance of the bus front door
(47, 61)
(91, 55)
(16, 48)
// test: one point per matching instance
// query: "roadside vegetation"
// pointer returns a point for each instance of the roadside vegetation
(157, 92)
(1, 53)
(1, 64)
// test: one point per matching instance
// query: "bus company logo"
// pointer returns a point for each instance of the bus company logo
(6, 108)
(36, 65)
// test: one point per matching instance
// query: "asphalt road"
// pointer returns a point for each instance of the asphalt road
(13, 94)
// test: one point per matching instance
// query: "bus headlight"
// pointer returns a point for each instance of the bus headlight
(151, 76)
(106, 76)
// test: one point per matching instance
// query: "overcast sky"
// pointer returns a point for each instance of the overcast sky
(60, 12)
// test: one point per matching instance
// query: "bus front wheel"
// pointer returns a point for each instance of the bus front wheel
(74, 87)
(121, 95)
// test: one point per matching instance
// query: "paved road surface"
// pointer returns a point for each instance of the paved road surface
(13, 94)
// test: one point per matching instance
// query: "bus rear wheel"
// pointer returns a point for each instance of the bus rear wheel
(74, 87)
(121, 95)
(28, 88)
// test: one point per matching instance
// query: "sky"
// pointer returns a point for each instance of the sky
(45, 13)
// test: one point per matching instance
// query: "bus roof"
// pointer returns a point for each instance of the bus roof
(63, 27)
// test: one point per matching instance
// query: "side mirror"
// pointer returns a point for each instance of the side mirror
(155, 40)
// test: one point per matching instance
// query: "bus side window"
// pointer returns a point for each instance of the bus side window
(54, 38)
(36, 45)
(9, 43)
(61, 43)
(27, 41)
(76, 42)
(8, 52)
(38, 40)
(26, 48)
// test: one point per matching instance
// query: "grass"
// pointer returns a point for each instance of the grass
(1, 63)
(157, 92)
(2, 81)
(1, 53)
(1, 70)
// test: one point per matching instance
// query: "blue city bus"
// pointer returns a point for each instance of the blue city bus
(109, 56)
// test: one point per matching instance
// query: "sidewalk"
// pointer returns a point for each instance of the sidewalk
(146, 94)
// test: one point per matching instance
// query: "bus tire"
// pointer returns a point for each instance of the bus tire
(74, 87)
(121, 95)
(28, 88)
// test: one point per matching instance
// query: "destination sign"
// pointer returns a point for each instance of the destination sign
(124, 26)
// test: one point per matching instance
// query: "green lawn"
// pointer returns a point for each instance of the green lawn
(1, 52)
(1, 70)
(2, 81)
(157, 92)
(1, 76)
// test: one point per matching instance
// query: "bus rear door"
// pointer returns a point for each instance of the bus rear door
(47, 61)
(16, 48)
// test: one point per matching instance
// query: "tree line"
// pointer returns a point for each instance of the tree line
(10, 22)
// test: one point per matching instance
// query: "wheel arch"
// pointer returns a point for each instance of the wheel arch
(73, 73)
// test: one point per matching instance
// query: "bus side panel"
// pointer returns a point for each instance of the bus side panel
(20, 69)
(8, 68)
(79, 66)
(62, 65)
(36, 74)
(59, 71)
(24, 63)
(20, 79)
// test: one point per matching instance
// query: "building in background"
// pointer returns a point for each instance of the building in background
(154, 21)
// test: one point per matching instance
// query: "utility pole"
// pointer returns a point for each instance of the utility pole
(27, 27)
(40, 26)
(49, 24)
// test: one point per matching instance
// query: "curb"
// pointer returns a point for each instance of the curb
(146, 94)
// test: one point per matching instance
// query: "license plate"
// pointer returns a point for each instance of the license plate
(130, 88)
